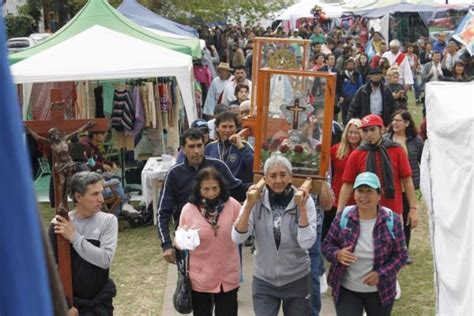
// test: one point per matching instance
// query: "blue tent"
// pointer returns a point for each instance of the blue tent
(146, 18)
(23, 275)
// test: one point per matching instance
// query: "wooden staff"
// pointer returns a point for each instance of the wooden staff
(306, 186)
(257, 189)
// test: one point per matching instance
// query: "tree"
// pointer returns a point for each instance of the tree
(199, 12)
(31, 8)
(219, 10)
(18, 25)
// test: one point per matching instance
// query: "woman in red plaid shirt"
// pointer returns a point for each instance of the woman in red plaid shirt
(366, 248)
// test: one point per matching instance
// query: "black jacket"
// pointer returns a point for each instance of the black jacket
(360, 105)
(414, 150)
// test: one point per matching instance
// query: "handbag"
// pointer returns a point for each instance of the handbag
(182, 296)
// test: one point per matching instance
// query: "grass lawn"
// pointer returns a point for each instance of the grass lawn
(140, 272)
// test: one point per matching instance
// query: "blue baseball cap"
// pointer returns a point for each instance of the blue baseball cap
(200, 124)
(367, 178)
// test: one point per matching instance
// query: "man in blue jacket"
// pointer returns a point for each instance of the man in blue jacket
(236, 153)
(178, 185)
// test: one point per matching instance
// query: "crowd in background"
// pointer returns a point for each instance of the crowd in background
(361, 220)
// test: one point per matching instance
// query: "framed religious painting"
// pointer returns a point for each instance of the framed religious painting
(277, 53)
(295, 110)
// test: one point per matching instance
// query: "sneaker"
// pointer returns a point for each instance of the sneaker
(323, 284)
(129, 209)
(409, 260)
(399, 291)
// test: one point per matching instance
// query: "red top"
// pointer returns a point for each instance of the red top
(338, 166)
(400, 167)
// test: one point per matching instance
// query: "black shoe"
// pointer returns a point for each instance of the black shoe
(409, 260)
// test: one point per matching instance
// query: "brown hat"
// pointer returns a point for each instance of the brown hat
(224, 66)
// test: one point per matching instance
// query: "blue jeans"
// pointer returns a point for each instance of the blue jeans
(317, 267)
(416, 87)
(119, 189)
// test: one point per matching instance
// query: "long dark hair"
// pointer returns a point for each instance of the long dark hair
(208, 173)
(411, 130)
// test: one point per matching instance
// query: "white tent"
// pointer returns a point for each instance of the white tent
(303, 10)
(99, 53)
(447, 185)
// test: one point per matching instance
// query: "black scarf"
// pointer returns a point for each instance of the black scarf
(371, 166)
(281, 198)
(210, 210)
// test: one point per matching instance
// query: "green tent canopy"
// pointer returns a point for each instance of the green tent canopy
(100, 12)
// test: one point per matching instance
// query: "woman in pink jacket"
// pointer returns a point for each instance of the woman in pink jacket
(214, 266)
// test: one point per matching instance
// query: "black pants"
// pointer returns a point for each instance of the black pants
(225, 303)
(353, 303)
(345, 109)
(406, 228)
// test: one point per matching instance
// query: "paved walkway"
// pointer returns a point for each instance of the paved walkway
(245, 292)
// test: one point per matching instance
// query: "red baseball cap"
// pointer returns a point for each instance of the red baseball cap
(371, 120)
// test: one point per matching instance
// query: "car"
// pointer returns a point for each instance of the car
(40, 37)
(17, 44)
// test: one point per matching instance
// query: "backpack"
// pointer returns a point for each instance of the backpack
(388, 221)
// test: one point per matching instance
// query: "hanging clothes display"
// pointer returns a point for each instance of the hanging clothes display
(120, 140)
(123, 111)
(108, 95)
(82, 101)
(99, 102)
(203, 76)
(199, 99)
(165, 102)
(148, 101)
(139, 116)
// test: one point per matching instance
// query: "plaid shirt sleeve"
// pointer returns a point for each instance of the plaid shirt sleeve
(399, 252)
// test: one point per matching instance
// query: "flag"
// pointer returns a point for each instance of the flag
(24, 285)
(464, 33)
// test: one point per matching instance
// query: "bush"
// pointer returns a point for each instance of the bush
(18, 25)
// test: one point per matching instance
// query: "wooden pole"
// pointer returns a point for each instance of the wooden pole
(306, 186)
(258, 188)
(63, 245)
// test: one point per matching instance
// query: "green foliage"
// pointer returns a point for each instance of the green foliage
(18, 25)
(204, 11)
(31, 8)
(198, 12)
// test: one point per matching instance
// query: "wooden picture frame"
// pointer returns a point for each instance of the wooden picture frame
(265, 123)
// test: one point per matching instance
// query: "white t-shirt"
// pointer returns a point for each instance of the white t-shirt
(353, 279)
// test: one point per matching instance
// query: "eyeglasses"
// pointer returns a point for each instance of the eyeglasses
(397, 120)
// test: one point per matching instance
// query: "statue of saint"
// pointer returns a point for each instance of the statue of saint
(63, 164)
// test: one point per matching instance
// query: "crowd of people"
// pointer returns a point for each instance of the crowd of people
(361, 219)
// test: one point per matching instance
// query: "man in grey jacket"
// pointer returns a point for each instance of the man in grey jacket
(93, 238)
(282, 263)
